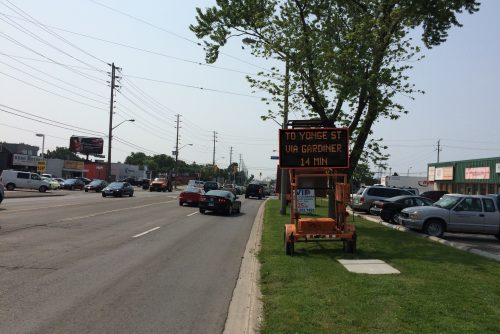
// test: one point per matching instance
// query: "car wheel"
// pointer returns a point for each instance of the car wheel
(497, 236)
(434, 228)
(10, 186)
(246, 196)
(71, 188)
(395, 218)
(42, 189)
(202, 210)
(131, 194)
(103, 194)
(150, 189)
(230, 210)
(386, 216)
(86, 190)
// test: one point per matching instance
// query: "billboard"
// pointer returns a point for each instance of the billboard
(86, 145)
(313, 148)
(477, 173)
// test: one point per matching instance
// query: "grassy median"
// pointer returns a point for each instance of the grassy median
(440, 289)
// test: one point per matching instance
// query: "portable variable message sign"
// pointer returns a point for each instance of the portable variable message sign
(314, 148)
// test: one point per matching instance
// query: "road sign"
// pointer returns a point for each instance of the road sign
(41, 166)
(314, 148)
(274, 157)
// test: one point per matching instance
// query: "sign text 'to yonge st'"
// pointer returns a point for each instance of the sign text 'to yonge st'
(314, 148)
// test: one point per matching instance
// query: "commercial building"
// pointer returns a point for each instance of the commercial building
(476, 176)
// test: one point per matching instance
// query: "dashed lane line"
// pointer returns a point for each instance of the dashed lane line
(192, 214)
(146, 232)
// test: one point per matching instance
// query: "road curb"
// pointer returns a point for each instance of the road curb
(245, 309)
(456, 245)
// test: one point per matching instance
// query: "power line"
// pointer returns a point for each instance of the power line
(51, 32)
(174, 34)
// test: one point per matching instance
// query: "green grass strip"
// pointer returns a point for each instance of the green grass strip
(440, 289)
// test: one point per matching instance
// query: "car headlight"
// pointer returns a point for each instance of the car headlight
(413, 215)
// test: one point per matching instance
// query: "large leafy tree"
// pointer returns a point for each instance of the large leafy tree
(62, 153)
(347, 59)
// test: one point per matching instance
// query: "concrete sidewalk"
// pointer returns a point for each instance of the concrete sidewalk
(24, 193)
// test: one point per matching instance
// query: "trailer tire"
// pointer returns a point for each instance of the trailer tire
(350, 245)
(289, 246)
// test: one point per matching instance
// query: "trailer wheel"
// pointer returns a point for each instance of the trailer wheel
(289, 246)
(350, 245)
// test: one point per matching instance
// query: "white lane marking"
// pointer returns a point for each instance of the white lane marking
(148, 231)
(110, 211)
(191, 214)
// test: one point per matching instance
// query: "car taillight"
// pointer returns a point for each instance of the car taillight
(221, 200)
(203, 199)
(362, 199)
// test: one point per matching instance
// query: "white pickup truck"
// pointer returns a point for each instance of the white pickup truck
(456, 213)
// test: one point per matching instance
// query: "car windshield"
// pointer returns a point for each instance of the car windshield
(70, 181)
(192, 189)
(447, 202)
(159, 179)
(115, 185)
(95, 183)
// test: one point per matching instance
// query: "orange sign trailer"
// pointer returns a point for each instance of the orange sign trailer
(320, 229)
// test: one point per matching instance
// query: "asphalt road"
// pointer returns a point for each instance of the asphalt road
(81, 263)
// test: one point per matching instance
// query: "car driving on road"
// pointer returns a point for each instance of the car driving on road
(221, 201)
(118, 189)
(190, 196)
(96, 185)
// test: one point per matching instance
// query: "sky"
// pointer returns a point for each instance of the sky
(56, 69)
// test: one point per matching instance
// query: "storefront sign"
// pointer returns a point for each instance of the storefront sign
(305, 200)
(69, 164)
(497, 168)
(25, 160)
(444, 174)
(431, 173)
(477, 173)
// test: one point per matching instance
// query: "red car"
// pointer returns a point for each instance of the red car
(191, 196)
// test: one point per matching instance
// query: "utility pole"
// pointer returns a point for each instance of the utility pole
(284, 172)
(230, 155)
(439, 148)
(213, 158)
(176, 148)
(110, 132)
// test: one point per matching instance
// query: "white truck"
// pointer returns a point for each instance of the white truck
(416, 182)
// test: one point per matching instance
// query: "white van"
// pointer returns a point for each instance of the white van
(196, 183)
(13, 179)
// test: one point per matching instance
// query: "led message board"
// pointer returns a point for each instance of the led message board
(314, 148)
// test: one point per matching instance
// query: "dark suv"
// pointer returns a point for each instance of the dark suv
(434, 195)
(210, 185)
(254, 190)
(364, 198)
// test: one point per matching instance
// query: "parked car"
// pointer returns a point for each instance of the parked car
(390, 208)
(191, 195)
(96, 185)
(84, 179)
(2, 193)
(210, 185)
(434, 195)
(254, 190)
(118, 189)
(160, 184)
(73, 184)
(13, 179)
(221, 201)
(54, 184)
(60, 180)
(364, 198)
(455, 213)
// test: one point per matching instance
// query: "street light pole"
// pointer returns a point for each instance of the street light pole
(43, 143)
(284, 176)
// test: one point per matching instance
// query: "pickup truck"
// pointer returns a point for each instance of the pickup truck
(456, 213)
(160, 184)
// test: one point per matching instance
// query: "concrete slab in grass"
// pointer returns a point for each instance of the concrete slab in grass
(373, 267)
